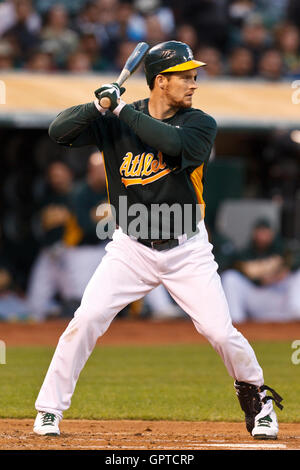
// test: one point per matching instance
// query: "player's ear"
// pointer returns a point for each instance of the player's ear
(161, 81)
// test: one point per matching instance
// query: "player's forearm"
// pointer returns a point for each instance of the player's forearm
(153, 132)
(71, 122)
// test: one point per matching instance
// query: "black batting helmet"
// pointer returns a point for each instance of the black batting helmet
(169, 56)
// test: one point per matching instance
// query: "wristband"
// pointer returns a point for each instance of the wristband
(119, 108)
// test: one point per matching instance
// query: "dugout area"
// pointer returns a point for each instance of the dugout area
(246, 165)
(256, 153)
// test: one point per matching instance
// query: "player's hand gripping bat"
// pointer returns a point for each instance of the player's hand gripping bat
(129, 68)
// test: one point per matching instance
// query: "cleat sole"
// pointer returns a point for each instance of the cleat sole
(264, 437)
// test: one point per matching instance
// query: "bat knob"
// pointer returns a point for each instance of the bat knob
(105, 102)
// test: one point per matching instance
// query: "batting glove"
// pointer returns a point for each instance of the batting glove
(111, 91)
(106, 86)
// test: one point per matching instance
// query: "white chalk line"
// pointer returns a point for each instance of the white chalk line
(153, 440)
(247, 446)
(234, 446)
(188, 447)
(218, 443)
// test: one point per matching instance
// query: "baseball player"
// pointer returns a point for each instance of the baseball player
(156, 152)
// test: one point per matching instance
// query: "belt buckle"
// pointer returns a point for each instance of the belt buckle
(161, 245)
(156, 242)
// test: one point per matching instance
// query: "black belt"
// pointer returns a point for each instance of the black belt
(161, 245)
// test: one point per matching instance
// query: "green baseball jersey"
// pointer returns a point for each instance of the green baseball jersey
(160, 164)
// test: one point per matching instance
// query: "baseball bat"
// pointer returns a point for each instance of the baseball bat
(129, 68)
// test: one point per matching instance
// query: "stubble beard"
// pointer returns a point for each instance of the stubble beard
(176, 103)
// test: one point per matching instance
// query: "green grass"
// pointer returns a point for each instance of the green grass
(185, 382)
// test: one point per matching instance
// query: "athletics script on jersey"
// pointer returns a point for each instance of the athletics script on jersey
(142, 169)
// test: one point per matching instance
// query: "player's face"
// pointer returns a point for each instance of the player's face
(180, 88)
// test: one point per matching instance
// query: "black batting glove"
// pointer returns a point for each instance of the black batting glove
(111, 91)
(108, 86)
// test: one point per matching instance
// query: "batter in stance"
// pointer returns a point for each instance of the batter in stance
(155, 152)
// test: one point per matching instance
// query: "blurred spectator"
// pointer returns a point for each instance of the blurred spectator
(213, 60)
(87, 20)
(79, 62)
(40, 61)
(255, 37)
(6, 55)
(262, 286)
(99, 18)
(125, 49)
(9, 11)
(89, 46)
(19, 58)
(57, 36)
(293, 12)
(7, 15)
(188, 34)
(73, 6)
(131, 24)
(54, 225)
(282, 174)
(271, 11)
(270, 65)
(108, 10)
(217, 26)
(154, 31)
(13, 306)
(239, 10)
(240, 63)
(208, 17)
(288, 41)
(22, 32)
(110, 35)
(163, 13)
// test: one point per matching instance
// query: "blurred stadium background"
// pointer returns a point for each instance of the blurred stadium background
(55, 54)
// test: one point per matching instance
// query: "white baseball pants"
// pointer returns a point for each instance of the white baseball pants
(128, 271)
(277, 302)
(47, 277)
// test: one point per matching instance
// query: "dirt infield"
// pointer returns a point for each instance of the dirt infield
(142, 332)
(142, 435)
